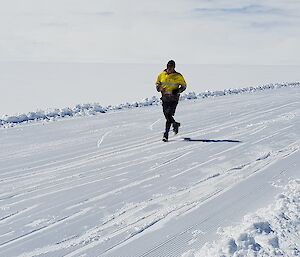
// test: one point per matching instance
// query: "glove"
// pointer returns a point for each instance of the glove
(182, 88)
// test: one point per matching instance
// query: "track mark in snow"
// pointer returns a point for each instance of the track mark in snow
(194, 167)
(7, 234)
(169, 161)
(136, 183)
(206, 179)
(6, 197)
(278, 132)
(144, 227)
(273, 156)
(102, 138)
(117, 190)
(17, 213)
(240, 167)
(281, 118)
(8, 216)
(152, 125)
(43, 228)
(263, 157)
(37, 223)
(257, 130)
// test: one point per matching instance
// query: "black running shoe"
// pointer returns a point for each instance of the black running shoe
(165, 137)
(176, 126)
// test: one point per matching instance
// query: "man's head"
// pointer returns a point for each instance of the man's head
(170, 66)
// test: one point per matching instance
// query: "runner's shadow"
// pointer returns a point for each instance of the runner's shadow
(211, 140)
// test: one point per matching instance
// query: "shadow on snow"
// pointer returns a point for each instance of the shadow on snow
(211, 140)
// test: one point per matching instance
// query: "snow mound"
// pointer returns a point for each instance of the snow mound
(95, 108)
(271, 231)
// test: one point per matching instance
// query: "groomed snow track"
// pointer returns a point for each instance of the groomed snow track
(106, 185)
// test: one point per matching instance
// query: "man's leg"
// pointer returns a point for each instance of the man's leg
(175, 124)
(168, 109)
(173, 106)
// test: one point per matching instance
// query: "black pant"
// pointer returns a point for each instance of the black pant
(169, 109)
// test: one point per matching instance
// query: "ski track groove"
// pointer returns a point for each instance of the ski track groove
(17, 213)
(152, 125)
(45, 227)
(102, 138)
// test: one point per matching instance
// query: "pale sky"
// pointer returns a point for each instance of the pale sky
(58, 53)
(144, 31)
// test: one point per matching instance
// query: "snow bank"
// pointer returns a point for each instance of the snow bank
(272, 231)
(92, 109)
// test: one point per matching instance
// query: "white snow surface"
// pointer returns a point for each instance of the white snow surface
(106, 185)
(271, 231)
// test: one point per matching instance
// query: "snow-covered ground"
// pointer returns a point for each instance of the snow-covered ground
(105, 185)
(272, 231)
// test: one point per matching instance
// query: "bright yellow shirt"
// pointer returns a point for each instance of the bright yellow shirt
(169, 82)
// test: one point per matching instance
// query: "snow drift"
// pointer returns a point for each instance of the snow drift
(92, 109)
(271, 231)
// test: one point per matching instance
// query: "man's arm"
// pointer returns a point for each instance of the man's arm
(158, 87)
(182, 83)
(158, 84)
(181, 88)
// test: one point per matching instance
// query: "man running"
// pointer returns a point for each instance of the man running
(170, 83)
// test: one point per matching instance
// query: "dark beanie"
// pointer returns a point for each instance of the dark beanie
(171, 63)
